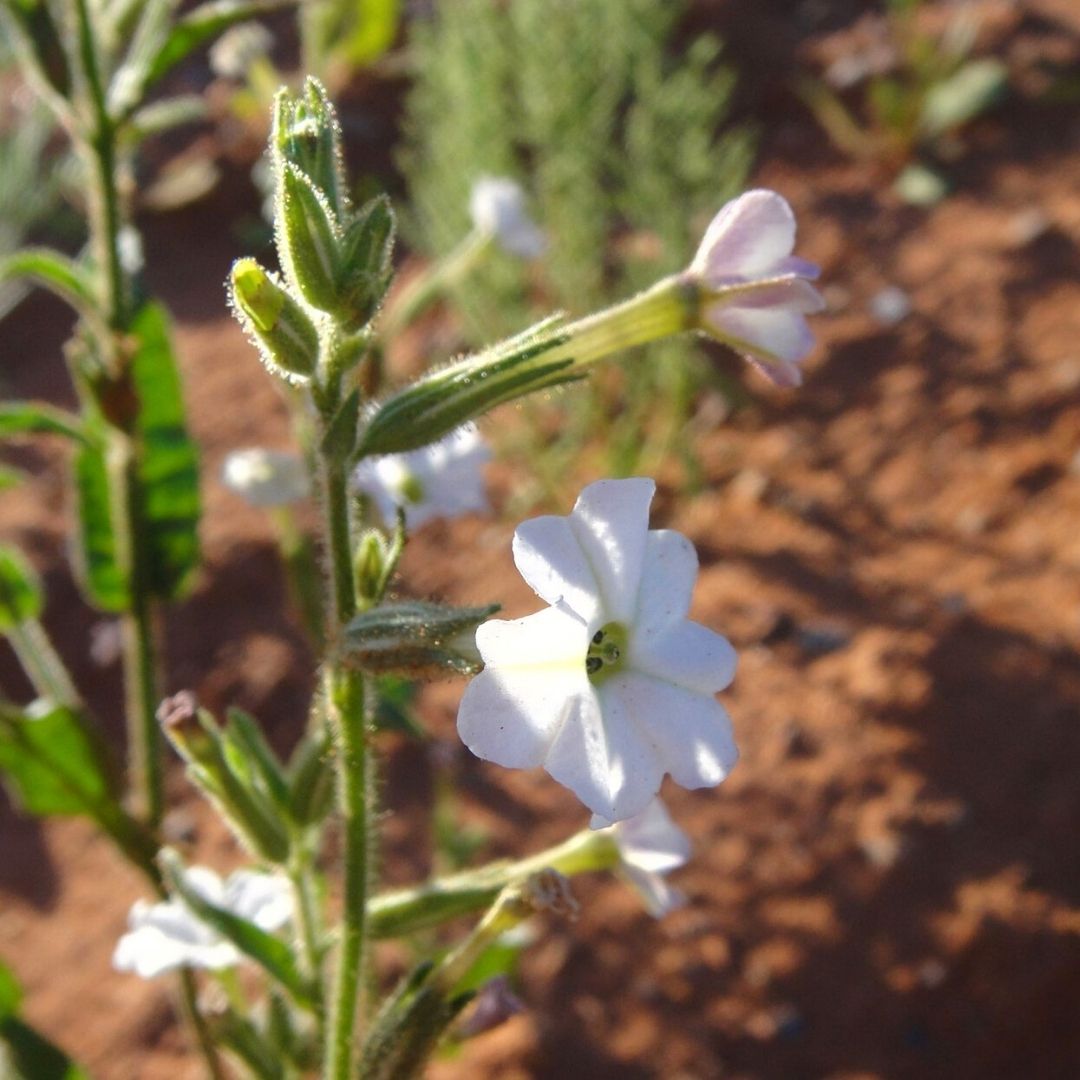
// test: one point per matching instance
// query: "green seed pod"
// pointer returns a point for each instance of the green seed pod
(279, 327)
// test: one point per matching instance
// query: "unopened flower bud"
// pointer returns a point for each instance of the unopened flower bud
(278, 326)
(368, 566)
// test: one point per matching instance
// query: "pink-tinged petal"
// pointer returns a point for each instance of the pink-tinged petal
(803, 268)
(611, 521)
(602, 756)
(667, 582)
(692, 731)
(783, 294)
(686, 654)
(549, 556)
(767, 334)
(747, 238)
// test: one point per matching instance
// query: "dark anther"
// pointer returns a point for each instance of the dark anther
(598, 637)
(593, 664)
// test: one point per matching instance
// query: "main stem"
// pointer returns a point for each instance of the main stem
(347, 715)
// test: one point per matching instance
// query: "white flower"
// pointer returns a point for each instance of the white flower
(650, 845)
(757, 292)
(497, 206)
(612, 686)
(443, 480)
(266, 477)
(164, 936)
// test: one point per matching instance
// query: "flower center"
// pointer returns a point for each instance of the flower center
(606, 652)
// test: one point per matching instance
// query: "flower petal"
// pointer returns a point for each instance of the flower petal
(768, 335)
(686, 654)
(667, 582)
(611, 521)
(603, 757)
(747, 238)
(656, 894)
(513, 709)
(264, 899)
(651, 841)
(692, 731)
(548, 556)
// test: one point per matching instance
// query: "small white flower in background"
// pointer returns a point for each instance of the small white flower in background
(757, 292)
(443, 480)
(890, 306)
(266, 477)
(612, 686)
(238, 48)
(650, 845)
(164, 936)
(497, 206)
(129, 246)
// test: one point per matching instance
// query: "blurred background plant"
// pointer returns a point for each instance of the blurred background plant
(902, 96)
(625, 148)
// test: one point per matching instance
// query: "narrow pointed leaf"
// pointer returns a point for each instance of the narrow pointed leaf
(20, 589)
(271, 953)
(52, 764)
(96, 552)
(26, 1055)
(52, 271)
(38, 418)
(168, 460)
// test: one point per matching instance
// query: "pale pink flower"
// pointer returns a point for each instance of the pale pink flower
(757, 294)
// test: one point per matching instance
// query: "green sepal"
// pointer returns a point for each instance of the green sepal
(311, 780)
(444, 400)
(239, 1035)
(366, 264)
(307, 135)
(278, 326)
(308, 237)
(235, 786)
(20, 590)
(415, 638)
(340, 439)
(250, 755)
(271, 953)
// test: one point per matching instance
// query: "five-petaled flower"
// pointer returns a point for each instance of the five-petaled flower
(164, 936)
(443, 480)
(612, 686)
(497, 208)
(649, 846)
(756, 294)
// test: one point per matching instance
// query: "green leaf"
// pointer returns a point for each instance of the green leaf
(311, 780)
(20, 590)
(376, 27)
(38, 418)
(168, 460)
(200, 26)
(52, 763)
(10, 992)
(97, 555)
(26, 1055)
(966, 94)
(271, 953)
(52, 271)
